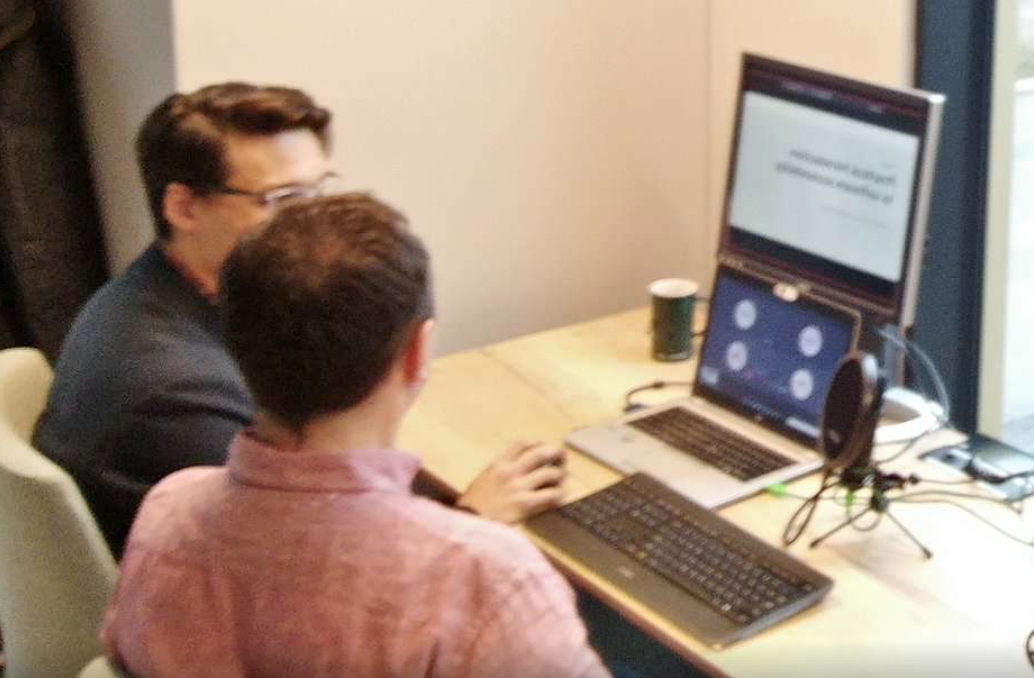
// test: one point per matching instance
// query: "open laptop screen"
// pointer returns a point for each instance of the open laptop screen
(770, 358)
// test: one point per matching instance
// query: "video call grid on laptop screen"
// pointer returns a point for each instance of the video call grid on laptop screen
(772, 359)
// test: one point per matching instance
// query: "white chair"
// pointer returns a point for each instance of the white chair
(101, 668)
(56, 571)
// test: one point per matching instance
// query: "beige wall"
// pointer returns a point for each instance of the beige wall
(552, 154)
(555, 156)
(871, 40)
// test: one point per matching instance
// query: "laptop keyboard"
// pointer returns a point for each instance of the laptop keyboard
(713, 444)
(690, 565)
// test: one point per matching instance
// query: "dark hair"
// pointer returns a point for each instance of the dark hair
(317, 306)
(183, 139)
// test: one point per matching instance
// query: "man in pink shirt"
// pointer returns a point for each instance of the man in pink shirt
(308, 555)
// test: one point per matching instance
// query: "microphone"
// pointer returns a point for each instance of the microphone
(850, 415)
(848, 425)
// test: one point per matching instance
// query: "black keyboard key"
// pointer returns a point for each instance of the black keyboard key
(713, 444)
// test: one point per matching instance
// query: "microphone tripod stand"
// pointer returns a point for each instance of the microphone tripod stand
(854, 479)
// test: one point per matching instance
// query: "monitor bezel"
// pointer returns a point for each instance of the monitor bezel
(801, 268)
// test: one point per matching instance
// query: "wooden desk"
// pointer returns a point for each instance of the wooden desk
(891, 612)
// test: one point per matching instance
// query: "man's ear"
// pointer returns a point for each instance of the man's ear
(418, 353)
(178, 207)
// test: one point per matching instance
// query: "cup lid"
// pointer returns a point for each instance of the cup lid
(673, 288)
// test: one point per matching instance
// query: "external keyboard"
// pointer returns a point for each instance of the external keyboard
(709, 577)
(713, 444)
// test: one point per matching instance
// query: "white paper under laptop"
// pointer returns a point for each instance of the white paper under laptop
(763, 374)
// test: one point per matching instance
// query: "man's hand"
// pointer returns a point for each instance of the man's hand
(521, 482)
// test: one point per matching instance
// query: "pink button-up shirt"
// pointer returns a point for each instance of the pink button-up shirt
(325, 565)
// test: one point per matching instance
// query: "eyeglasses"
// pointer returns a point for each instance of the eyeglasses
(328, 184)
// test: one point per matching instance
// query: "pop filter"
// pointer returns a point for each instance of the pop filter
(847, 426)
(850, 414)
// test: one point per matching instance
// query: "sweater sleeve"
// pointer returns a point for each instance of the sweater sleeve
(179, 426)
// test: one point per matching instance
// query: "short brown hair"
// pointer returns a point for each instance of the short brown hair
(183, 139)
(316, 307)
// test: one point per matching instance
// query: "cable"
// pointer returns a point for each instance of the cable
(971, 512)
(652, 386)
(1005, 479)
(967, 481)
(911, 443)
(876, 500)
(866, 528)
(779, 490)
(792, 532)
(960, 495)
(912, 350)
(984, 477)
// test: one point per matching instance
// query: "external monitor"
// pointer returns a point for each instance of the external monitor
(829, 183)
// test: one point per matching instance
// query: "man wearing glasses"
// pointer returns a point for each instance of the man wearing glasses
(144, 385)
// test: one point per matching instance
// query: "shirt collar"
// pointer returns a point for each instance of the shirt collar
(251, 462)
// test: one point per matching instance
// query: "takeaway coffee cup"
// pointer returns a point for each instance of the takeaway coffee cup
(673, 301)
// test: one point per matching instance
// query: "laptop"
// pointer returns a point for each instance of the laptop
(752, 421)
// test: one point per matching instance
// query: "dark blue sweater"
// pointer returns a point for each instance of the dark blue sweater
(143, 387)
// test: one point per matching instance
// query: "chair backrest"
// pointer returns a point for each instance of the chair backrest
(101, 668)
(56, 571)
